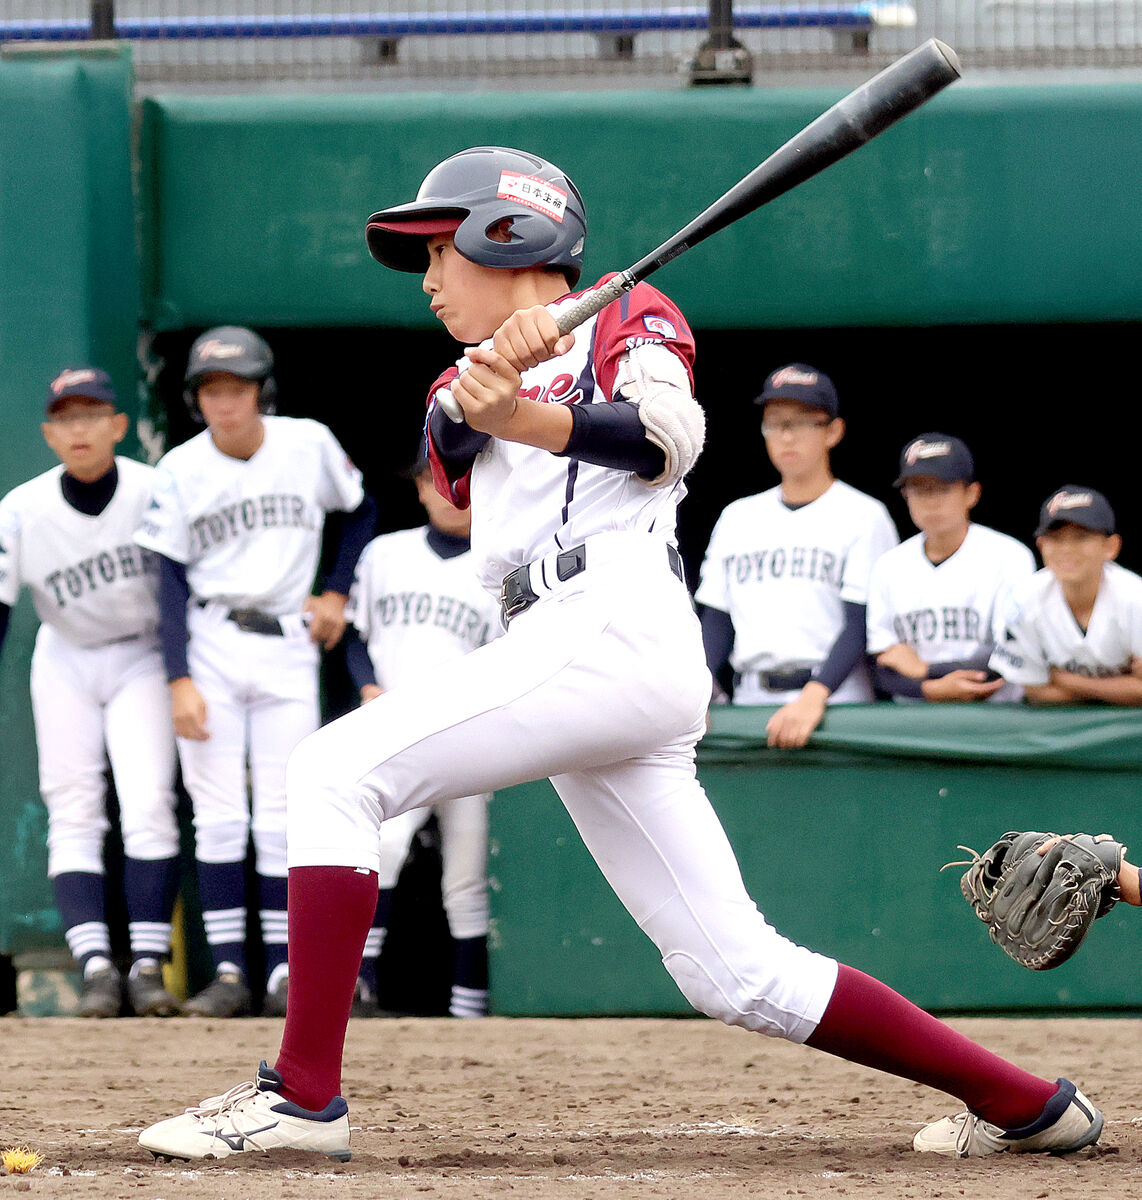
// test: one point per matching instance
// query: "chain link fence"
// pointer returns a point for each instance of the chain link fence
(461, 44)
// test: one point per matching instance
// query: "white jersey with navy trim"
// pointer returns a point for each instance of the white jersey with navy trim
(526, 502)
(416, 610)
(1041, 631)
(784, 574)
(249, 530)
(87, 578)
(948, 611)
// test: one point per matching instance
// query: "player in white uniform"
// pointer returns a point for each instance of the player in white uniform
(1074, 633)
(417, 604)
(937, 602)
(785, 578)
(237, 518)
(573, 451)
(98, 689)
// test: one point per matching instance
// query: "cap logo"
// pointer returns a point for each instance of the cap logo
(533, 192)
(790, 375)
(1061, 500)
(218, 349)
(70, 379)
(919, 450)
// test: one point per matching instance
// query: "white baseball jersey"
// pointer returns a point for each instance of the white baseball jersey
(784, 574)
(249, 531)
(88, 579)
(946, 612)
(416, 610)
(526, 502)
(1042, 632)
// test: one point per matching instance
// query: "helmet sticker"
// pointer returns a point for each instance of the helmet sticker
(533, 192)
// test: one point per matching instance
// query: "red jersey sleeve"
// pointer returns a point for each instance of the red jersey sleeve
(640, 316)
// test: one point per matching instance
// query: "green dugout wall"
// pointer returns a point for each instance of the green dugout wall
(841, 845)
(68, 262)
(1012, 204)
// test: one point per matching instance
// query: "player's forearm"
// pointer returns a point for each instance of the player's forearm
(358, 663)
(1129, 883)
(846, 651)
(1120, 689)
(5, 613)
(613, 435)
(352, 532)
(544, 426)
(1048, 693)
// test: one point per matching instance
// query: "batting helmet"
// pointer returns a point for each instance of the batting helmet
(237, 351)
(471, 193)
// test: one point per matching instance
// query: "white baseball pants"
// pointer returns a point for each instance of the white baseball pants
(261, 700)
(91, 706)
(463, 856)
(602, 687)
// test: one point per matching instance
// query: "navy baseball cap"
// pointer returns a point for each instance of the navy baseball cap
(81, 381)
(938, 455)
(1073, 505)
(805, 384)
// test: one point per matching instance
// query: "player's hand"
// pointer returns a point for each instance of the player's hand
(529, 337)
(488, 391)
(902, 659)
(961, 686)
(793, 723)
(327, 618)
(188, 710)
(370, 692)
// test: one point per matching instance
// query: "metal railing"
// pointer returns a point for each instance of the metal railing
(444, 43)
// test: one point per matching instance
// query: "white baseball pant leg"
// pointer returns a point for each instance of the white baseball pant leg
(603, 687)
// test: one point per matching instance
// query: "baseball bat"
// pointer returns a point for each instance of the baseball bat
(889, 95)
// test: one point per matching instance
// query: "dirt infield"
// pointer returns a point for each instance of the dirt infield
(589, 1109)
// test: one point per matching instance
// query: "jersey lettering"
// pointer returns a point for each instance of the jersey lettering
(89, 574)
(949, 624)
(445, 612)
(273, 511)
(798, 562)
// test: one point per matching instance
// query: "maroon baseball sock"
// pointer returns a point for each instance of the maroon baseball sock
(868, 1023)
(330, 911)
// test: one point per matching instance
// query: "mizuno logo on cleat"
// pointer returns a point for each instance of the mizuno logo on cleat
(237, 1141)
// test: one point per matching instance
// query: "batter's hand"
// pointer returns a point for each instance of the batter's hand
(188, 710)
(370, 692)
(327, 618)
(961, 686)
(792, 724)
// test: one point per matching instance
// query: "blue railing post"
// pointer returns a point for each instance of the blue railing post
(103, 20)
(721, 58)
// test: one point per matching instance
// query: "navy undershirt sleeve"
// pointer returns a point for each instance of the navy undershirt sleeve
(352, 532)
(5, 613)
(357, 660)
(846, 651)
(895, 684)
(456, 442)
(892, 683)
(613, 435)
(174, 595)
(718, 642)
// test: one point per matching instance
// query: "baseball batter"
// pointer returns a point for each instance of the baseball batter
(417, 604)
(1074, 633)
(937, 602)
(785, 578)
(573, 450)
(98, 689)
(237, 518)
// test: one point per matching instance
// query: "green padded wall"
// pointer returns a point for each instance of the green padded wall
(68, 260)
(841, 844)
(991, 204)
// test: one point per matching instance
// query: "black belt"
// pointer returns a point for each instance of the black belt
(252, 620)
(517, 595)
(778, 681)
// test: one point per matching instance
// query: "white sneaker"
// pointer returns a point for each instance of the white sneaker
(251, 1116)
(1069, 1122)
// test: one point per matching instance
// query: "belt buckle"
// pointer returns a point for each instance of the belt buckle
(516, 593)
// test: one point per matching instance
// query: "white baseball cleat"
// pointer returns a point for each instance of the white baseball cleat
(251, 1117)
(1069, 1122)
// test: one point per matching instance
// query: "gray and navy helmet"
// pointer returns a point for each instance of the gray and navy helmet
(237, 351)
(474, 191)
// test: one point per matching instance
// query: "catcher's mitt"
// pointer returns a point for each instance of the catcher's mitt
(1039, 908)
